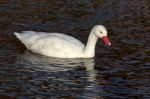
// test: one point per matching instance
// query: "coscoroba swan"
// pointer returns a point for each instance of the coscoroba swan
(61, 45)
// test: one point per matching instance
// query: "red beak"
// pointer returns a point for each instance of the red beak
(106, 40)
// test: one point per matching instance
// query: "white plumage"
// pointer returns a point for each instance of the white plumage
(61, 45)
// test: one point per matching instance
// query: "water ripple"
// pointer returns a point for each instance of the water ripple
(120, 71)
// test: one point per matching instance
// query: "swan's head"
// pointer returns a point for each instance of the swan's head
(101, 32)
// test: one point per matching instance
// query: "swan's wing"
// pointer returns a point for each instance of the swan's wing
(67, 38)
(51, 43)
(57, 47)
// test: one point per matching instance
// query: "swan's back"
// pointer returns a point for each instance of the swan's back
(51, 44)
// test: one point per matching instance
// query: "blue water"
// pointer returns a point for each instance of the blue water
(121, 71)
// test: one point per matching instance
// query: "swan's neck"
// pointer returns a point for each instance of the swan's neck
(89, 50)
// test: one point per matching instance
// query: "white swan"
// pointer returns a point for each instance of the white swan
(61, 45)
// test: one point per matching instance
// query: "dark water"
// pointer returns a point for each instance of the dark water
(120, 71)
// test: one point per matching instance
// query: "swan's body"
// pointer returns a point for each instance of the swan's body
(60, 45)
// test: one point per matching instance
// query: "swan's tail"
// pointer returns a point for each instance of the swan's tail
(18, 35)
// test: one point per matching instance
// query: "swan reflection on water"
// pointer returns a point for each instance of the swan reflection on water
(82, 70)
(55, 64)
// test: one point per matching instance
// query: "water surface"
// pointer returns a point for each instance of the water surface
(120, 71)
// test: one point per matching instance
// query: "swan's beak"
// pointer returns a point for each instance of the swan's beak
(106, 40)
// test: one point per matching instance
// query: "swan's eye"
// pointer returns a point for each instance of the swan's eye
(100, 31)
